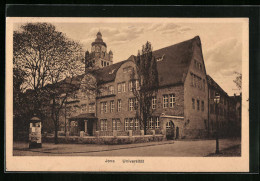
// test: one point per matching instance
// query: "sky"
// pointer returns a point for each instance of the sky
(221, 41)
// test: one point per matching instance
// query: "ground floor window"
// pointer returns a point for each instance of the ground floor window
(116, 124)
(103, 125)
(136, 123)
(157, 123)
(131, 124)
(151, 123)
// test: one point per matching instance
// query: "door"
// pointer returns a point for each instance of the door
(170, 130)
(90, 127)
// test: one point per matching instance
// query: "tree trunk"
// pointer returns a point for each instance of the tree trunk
(56, 135)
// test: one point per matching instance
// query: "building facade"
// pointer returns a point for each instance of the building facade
(182, 107)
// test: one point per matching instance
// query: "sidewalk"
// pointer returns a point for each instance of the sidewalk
(177, 148)
(81, 148)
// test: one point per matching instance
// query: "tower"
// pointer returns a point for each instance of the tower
(98, 57)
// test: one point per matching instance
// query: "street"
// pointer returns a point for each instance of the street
(175, 148)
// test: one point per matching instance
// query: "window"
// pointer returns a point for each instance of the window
(103, 125)
(151, 123)
(103, 107)
(131, 104)
(123, 87)
(126, 124)
(137, 86)
(168, 125)
(119, 87)
(165, 101)
(154, 102)
(202, 106)
(112, 106)
(118, 105)
(111, 89)
(116, 124)
(136, 124)
(198, 105)
(204, 84)
(135, 103)
(130, 85)
(131, 123)
(91, 108)
(157, 122)
(172, 100)
(193, 103)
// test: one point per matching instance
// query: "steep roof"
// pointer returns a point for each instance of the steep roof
(173, 67)
(108, 73)
(214, 84)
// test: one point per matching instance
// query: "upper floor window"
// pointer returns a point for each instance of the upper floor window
(130, 85)
(131, 104)
(112, 106)
(193, 103)
(172, 100)
(118, 105)
(103, 107)
(111, 89)
(127, 69)
(91, 108)
(198, 105)
(123, 86)
(119, 88)
(165, 101)
(154, 102)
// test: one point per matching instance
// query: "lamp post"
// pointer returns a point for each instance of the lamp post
(216, 101)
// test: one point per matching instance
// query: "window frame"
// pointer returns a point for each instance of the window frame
(172, 100)
(165, 98)
(119, 108)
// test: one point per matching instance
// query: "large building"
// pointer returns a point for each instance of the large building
(182, 108)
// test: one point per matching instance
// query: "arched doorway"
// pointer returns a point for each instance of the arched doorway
(170, 130)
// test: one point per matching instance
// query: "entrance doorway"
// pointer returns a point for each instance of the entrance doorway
(170, 130)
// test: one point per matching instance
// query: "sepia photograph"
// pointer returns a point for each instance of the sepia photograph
(128, 90)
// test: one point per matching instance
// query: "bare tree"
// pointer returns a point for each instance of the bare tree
(146, 75)
(238, 80)
(51, 63)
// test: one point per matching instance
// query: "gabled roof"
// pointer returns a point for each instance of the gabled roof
(108, 73)
(175, 62)
(214, 84)
(172, 69)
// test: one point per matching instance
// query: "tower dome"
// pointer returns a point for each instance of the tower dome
(99, 40)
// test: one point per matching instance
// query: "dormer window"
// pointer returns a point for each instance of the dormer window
(112, 71)
(160, 58)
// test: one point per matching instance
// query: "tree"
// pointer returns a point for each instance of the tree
(146, 75)
(238, 80)
(51, 63)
